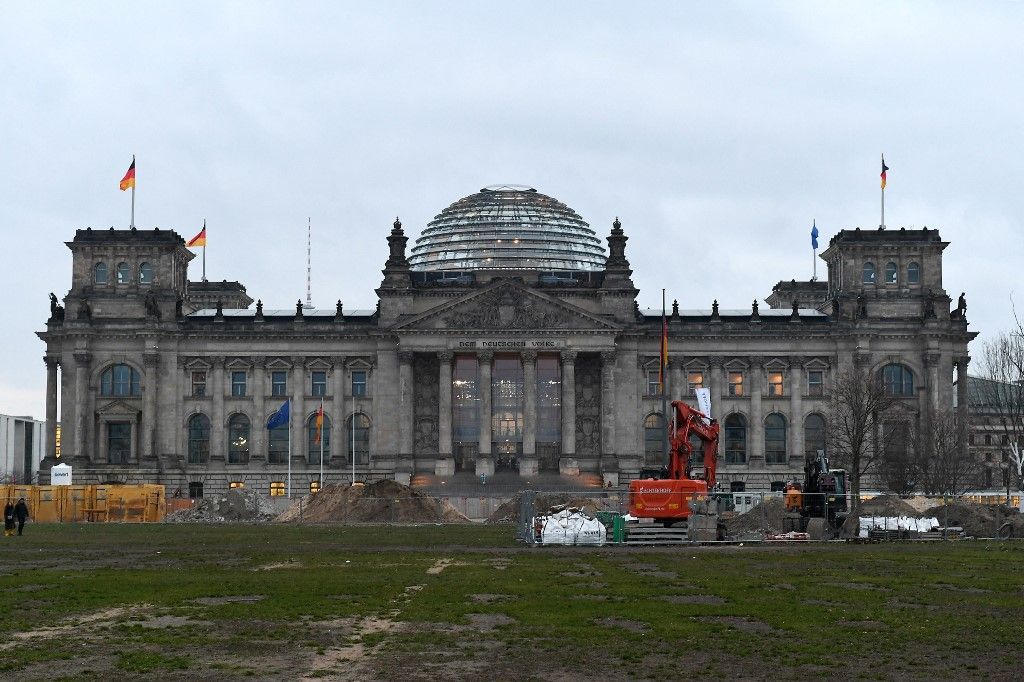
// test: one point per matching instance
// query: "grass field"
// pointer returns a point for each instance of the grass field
(466, 602)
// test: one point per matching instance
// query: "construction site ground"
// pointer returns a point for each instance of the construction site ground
(422, 602)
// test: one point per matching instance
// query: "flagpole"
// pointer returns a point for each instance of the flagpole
(204, 249)
(662, 352)
(882, 225)
(352, 452)
(133, 194)
(321, 487)
(289, 452)
(814, 256)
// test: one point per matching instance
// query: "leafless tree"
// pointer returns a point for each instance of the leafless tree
(900, 467)
(857, 406)
(944, 465)
(1000, 394)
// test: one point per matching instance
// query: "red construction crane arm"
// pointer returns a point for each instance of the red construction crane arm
(688, 421)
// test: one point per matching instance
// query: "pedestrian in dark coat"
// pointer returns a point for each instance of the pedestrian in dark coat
(21, 514)
(8, 520)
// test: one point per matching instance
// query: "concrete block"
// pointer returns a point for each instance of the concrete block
(444, 466)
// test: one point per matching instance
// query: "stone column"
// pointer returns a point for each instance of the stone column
(569, 403)
(796, 409)
(51, 410)
(717, 387)
(608, 403)
(406, 397)
(962, 406)
(218, 426)
(339, 439)
(82, 360)
(151, 364)
(484, 461)
(445, 465)
(298, 412)
(528, 464)
(259, 434)
(756, 415)
(677, 378)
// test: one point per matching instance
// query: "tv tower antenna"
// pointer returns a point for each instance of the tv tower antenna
(309, 264)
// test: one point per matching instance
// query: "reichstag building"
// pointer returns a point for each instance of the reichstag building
(506, 341)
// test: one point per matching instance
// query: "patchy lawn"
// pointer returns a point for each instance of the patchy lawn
(467, 602)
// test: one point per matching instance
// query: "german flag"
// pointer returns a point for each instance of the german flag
(199, 239)
(319, 423)
(884, 168)
(129, 178)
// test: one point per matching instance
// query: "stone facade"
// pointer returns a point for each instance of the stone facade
(159, 387)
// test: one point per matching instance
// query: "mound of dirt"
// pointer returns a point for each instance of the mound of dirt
(590, 504)
(887, 505)
(237, 506)
(979, 520)
(382, 502)
(766, 516)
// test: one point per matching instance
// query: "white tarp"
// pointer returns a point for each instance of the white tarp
(869, 523)
(572, 527)
(60, 474)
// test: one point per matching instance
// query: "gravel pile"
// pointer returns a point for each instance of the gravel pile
(765, 517)
(589, 504)
(381, 502)
(245, 506)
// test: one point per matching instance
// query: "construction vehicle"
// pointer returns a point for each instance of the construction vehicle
(672, 495)
(822, 495)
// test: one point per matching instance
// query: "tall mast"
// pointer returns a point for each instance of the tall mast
(309, 264)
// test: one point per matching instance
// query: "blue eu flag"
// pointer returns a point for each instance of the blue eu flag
(279, 418)
(814, 235)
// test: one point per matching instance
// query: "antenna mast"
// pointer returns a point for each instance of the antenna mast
(309, 263)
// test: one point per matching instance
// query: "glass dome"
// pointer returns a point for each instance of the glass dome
(507, 227)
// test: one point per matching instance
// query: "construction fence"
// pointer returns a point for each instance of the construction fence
(96, 503)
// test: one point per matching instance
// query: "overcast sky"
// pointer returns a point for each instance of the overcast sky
(715, 131)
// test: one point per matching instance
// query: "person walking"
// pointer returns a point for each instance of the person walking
(21, 514)
(8, 520)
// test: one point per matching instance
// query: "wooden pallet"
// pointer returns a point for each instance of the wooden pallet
(652, 534)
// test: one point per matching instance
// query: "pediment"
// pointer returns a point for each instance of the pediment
(359, 363)
(777, 364)
(238, 363)
(278, 363)
(736, 364)
(118, 407)
(816, 363)
(197, 364)
(319, 364)
(508, 306)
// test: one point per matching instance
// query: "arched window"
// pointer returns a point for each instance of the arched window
(120, 380)
(145, 274)
(814, 434)
(238, 439)
(198, 439)
(868, 274)
(775, 439)
(124, 273)
(313, 439)
(735, 439)
(898, 380)
(358, 431)
(277, 445)
(99, 273)
(654, 430)
(890, 273)
(914, 273)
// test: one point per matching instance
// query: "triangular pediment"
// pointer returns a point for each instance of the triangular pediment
(118, 407)
(507, 306)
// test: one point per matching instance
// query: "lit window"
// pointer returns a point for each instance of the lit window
(279, 383)
(913, 274)
(120, 380)
(100, 273)
(868, 274)
(124, 273)
(236, 484)
(653, 382)
(198, 384)
(775, 384)
(694, 380)
(145, 274)
(815, 382)
(238, 384)
(736, 383)
(238, 439)
(314, 487)
(277, 489)
(319, 384)
(359, 383)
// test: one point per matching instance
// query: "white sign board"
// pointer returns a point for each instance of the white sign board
(60, 474)
(704, 402)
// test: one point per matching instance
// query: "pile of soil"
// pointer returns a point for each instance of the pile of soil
(979, 520)
(543, 502)
(381, 502)
(765, 517)
(237, 506)
(887, 505)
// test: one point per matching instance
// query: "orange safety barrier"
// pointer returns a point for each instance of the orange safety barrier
(141, 503)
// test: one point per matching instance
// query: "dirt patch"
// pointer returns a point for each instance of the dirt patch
(693, 599)
(277, 565)
(864, 625)
(623, 623)
(862, 586)
(381, 502)
(590, 504)
(351, 660)
(442, 564)
(72, 625)
(980, 520)
(489, 598)
(162, 622)
(238, 505)
(744, 624)
(484, 622)
(236, 599)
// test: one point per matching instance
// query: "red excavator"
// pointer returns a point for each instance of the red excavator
(666, 497)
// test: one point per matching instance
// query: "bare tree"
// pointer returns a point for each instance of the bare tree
(999, 394)
(857, 405)
(900, 468)
(944, 465)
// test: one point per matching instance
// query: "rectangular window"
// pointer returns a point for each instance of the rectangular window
(195, 490)
(119, 442)
(238, 384)
(236, 484)
(549, 400)
(465, 399)
(653, 383)
(359, 383)
(694, 380)
(775, 384)
(277, 489)
(736, 383)
(815, 382)
(279, 383)
(198, 384)
(319, 384)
